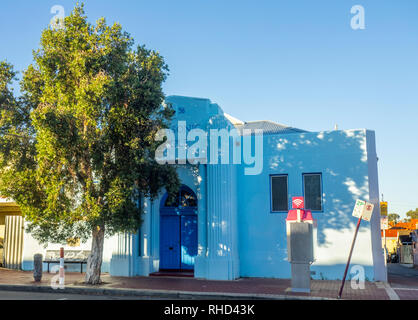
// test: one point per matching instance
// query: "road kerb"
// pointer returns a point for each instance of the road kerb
(165, 294)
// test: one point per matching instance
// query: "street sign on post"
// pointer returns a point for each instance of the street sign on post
(383, 208)
(358, 208)
(363, 211)
(368, 211)
(384, 223)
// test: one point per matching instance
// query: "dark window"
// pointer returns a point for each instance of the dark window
(312, 183)
(172, 201)
(185, 198)
(279, 198)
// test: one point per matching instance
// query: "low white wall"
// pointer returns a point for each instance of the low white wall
(31, 247)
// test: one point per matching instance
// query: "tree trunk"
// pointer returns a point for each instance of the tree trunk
(94, 261)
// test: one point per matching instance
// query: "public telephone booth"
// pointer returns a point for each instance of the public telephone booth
(299, 228)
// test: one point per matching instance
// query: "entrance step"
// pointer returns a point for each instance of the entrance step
(173, 273)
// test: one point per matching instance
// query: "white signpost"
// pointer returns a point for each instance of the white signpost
(363, 211)
(384, 225)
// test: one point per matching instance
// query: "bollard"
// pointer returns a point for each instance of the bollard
(61, 272)
(37, 267)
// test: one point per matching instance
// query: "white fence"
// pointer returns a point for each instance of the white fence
(13, 242)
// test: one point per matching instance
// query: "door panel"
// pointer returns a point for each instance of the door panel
(188, 241)
(170, 242)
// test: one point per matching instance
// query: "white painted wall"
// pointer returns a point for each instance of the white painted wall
(31, 247)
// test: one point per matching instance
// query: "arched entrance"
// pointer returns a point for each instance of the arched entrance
(178, 231)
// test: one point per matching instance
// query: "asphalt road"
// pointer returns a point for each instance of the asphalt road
(403, 280)
(396, 269)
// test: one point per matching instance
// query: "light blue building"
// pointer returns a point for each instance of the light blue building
(228, 220)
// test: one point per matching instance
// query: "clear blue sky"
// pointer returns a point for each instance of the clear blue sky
(295, 62)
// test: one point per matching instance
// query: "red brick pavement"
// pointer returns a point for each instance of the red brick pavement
(18, 277)
(319, 288)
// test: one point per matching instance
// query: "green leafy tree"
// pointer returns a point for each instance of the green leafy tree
(77, 148)
(394, 217)
(412, 214)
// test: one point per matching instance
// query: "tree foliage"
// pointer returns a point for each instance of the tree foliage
(412, 214)
(77, 148)
(394, 217)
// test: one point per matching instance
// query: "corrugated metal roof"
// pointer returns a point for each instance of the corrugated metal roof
(268, 127)
(410, 225)
(390, 233)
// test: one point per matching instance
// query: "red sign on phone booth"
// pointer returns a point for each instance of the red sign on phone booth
(298, 203)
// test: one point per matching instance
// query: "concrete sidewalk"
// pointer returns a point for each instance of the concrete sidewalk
(189, 288)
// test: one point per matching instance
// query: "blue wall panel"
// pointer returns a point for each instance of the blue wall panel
(342, 159)
(188, 241)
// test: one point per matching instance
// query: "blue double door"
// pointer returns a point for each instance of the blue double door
(178, 241)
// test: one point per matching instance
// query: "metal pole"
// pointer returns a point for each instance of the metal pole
(386, 249)
(61, 270)
(349, 258)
